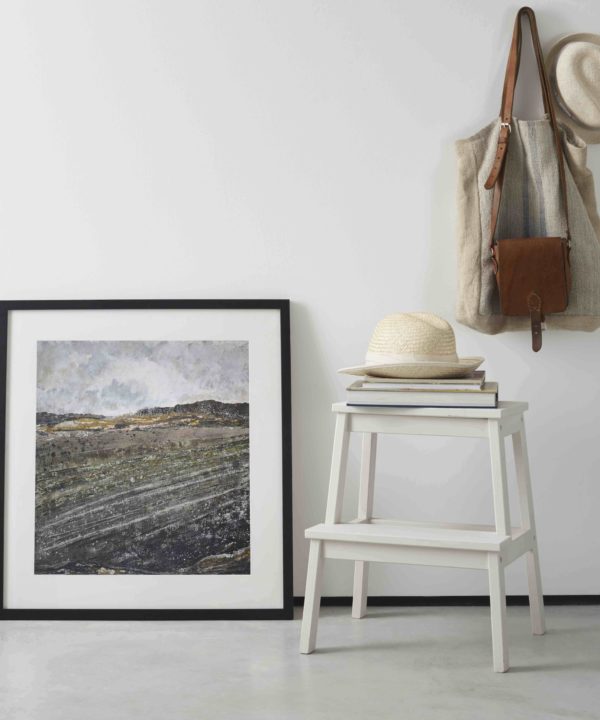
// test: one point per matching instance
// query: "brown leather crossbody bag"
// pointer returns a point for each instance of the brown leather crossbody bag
(533, 274)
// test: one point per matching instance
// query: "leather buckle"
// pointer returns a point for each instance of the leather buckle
(534, 303)
(494, 259)
(506, 125)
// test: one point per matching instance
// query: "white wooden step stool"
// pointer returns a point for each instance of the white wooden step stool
(367, 539)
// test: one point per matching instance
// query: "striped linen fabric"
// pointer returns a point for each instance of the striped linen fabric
(531, 206)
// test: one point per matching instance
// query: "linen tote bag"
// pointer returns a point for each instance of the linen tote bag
(531, 206)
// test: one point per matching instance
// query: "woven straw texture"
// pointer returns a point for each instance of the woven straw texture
(573, 65)
(578, 78)
(414, 334)
(413, 345)
(531, 206)
(423, 370)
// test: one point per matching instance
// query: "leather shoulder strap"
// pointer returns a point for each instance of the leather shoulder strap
(496, 176)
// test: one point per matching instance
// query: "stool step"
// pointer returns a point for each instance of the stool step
(434, 535)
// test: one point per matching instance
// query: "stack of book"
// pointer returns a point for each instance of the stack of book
(469, 391)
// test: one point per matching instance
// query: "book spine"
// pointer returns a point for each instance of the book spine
(427, 405)
(406, 399)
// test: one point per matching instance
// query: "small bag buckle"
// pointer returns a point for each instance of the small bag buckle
(534, 303)
(506, 125)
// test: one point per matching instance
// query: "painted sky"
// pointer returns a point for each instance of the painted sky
(113, 378)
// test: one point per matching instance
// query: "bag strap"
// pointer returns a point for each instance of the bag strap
(496, 176)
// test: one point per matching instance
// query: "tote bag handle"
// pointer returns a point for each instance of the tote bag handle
(496, 176)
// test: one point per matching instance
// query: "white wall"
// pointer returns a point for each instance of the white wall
(302, 150)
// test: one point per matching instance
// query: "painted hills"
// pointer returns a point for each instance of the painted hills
(206, 413)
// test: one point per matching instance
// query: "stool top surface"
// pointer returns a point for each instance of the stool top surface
(504, 409)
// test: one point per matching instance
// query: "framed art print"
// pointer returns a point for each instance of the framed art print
(147, 459)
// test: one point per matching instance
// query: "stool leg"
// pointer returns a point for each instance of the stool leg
(498, 612)
(365, 512)
(333, 513)
(360, 590)
(312, 598)
(536, 598)
(337, 478)
(499, 483)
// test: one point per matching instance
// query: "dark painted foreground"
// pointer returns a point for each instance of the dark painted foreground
(165, 499)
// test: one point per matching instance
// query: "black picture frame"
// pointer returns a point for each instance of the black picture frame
(285, 612)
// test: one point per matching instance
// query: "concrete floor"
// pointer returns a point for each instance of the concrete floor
(416, 663)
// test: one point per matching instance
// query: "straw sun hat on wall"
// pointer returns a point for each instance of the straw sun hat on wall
(413, 345)
(573, 65)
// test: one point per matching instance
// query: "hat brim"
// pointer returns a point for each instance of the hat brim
(589, 135)
(424, 370)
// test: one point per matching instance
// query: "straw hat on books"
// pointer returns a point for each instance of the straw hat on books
(413, 345)
(574, 70)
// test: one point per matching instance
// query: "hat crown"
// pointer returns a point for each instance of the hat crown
(577, 80)
(573, 64)
(417, 333)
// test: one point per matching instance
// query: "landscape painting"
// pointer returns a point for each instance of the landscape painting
(142, 458)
